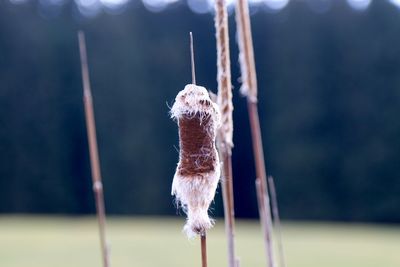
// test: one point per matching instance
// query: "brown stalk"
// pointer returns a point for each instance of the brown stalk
(249, 89)
(262, 190)
(224, 138)
(227, 196)
(263, 209)
(277, 220)
(192, 58)
(203, 236)
(93, 151)
(203, 241)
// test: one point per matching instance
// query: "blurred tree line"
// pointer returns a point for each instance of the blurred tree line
(329, 104)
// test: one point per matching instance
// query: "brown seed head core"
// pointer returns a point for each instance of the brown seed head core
(197, 145)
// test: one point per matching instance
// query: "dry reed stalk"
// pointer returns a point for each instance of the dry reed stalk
(263, 209)
(225, 142)
(93, 151)
(192, 58)
(203, 240)
(277, 220)
(249, 89)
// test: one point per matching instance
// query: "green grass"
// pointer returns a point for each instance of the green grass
(145, 242)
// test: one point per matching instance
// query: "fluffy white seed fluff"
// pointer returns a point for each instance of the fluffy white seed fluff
(195, 193)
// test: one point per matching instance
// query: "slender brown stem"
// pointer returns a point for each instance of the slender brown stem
(192, 59)
(225, 142)
(261, 181)
(203, 238)
(224, 74)
(261, 208)
(249, 89)
(93, 151)
(227, 195)
(246, 56)
(266, 227)
(277, 220)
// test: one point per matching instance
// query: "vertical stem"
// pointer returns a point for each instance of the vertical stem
(227, 194)
(192, 59)
(93, 151)
(203, 241)
(249, 89)
(261, 180)
(277, 220)
(225, 143)
(261, 209)
(266, 227)
(246, 53)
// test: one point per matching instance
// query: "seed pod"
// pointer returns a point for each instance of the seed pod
(198, 171)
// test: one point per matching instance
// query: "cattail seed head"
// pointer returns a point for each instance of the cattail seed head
(198, 171)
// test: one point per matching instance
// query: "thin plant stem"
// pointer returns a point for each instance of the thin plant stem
(192, 59)
(277, 220)
(261, 199)
(262, 190)
(249, 89)
(246, 51)
(227, 195)
(225, 142)
(203, 238)
(93, 150)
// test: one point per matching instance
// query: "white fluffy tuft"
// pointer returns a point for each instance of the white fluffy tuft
(194, 195)
(188, 102)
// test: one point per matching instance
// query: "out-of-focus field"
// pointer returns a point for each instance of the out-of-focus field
(151, 242)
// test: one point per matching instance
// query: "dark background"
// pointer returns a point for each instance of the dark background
(329, 100)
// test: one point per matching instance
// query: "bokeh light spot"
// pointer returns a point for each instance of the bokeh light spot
(359, 4)
(395, 2)
(199, 6)
(276, 4)
(88, 8)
